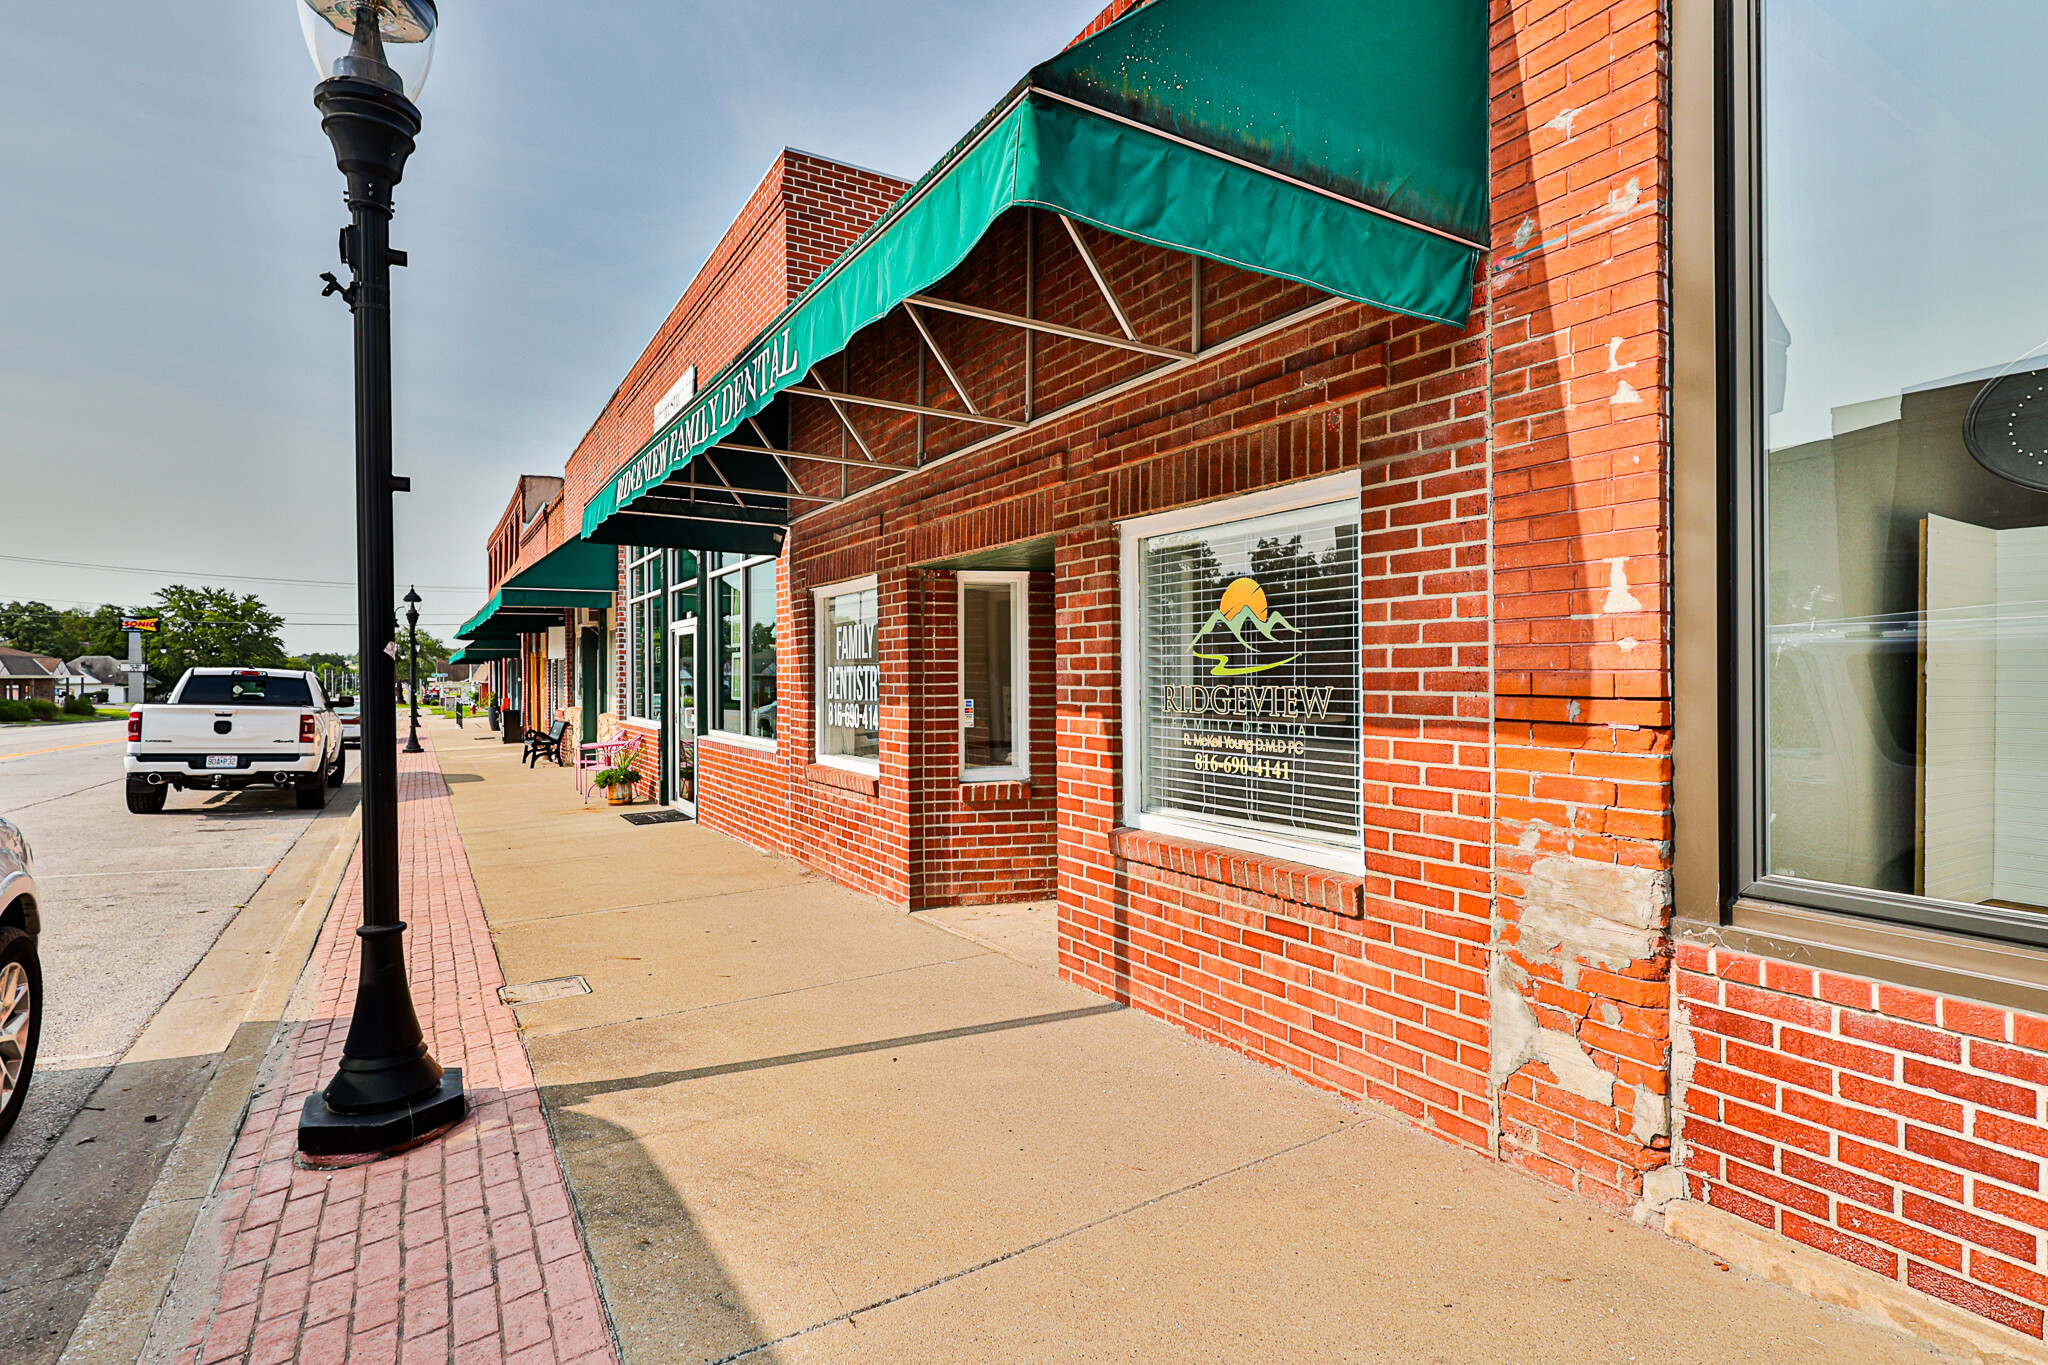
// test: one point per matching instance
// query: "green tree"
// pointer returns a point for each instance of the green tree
(433, 654)
(212, 628)
(98, 631)
(36, 627)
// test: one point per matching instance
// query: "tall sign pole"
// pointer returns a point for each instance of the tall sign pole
(135, 627)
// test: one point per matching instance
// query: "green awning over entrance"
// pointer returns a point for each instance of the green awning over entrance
(581, 573)
(517, 611)
(580, 565)
(481, 654)
(1340, 143)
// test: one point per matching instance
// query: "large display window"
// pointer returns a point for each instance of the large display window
(849, 687)
(1892, 650)
(743, 596)
(646, 634)
(1242, 673)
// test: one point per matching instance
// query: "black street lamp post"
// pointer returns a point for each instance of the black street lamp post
(412, 670)
(388, 1091)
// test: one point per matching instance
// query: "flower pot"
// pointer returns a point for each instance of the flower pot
(621, 795)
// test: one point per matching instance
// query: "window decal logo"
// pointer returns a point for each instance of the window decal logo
(1244, 603)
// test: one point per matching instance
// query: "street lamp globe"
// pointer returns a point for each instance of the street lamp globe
(387, 42)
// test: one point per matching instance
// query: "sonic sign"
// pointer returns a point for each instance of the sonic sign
(1249, 673)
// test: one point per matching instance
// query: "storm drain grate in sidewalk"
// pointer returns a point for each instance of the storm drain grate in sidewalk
(554, 988)
(654, 817)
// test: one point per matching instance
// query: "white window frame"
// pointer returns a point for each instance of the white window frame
(1308, 493)
(634, 663)
(1019, 769)
(707, 578)
(866, 767)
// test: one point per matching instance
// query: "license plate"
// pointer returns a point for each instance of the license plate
(221, 761)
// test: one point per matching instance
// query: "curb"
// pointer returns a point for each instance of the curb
(230, 1008)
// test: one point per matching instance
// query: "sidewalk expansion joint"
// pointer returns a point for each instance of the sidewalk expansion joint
(1025, 1250)
(771, 995)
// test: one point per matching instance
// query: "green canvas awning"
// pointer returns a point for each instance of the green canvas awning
(482, 654)
(520, 611)
(581, 573)
(578, 566)
(1339, 143)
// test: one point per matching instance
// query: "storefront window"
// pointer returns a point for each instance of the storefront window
(743, 600)
(1243, 673)
(646, 634)
(849, 693)
(994, 709)
(1900, 577)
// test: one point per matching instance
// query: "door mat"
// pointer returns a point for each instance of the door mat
(654, 817)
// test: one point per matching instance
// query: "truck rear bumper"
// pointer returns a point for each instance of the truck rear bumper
(191, 770)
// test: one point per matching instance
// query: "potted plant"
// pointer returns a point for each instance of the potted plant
(618, 784)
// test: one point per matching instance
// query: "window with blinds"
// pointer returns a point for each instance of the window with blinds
(1248, 672)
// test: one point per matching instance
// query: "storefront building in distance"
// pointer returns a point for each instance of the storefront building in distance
(1485, 559)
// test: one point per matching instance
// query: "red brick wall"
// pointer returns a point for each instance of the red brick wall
(1899, 1130)
(1582, 733)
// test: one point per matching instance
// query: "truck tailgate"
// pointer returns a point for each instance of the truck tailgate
(202, 729)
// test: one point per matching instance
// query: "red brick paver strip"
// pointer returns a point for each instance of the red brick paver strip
(463, 1250)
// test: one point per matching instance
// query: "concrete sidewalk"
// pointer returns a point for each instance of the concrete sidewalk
(801, 1126)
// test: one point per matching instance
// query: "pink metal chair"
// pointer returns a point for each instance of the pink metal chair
(595, 757)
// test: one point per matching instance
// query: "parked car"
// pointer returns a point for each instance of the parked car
(21, 973)
(351, 713)
(229, 728)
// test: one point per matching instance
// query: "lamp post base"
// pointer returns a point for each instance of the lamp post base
(325, 1133)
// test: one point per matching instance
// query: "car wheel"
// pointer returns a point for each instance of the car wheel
(21, 1021)
(312, 791)
(146, 798)
(339, 771)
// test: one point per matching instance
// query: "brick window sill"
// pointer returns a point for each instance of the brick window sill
(825, 775)
(1296, 882)
(994, 793)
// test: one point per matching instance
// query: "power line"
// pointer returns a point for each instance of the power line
(234, 577)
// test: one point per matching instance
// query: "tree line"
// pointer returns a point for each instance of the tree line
(196, 628)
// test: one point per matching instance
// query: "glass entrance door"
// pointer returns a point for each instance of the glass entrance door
(682, 716)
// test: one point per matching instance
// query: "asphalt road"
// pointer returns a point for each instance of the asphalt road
(130, 904)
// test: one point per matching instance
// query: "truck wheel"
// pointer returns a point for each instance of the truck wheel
(339, 771)
(21, 1020)
(144, 799)
(312, 791)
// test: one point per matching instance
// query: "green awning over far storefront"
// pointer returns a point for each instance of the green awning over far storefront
(1340, 143)
(581, 573)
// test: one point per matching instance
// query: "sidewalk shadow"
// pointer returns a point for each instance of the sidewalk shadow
(667, 1291)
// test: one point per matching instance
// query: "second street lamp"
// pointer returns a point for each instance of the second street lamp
(388, 1091)
(412, 670)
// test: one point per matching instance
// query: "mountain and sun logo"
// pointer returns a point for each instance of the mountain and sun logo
(1244, 604)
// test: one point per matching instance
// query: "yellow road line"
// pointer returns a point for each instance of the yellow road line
(89, 744)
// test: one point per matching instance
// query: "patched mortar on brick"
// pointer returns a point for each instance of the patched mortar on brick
(1575, 911)
(1519, 1039)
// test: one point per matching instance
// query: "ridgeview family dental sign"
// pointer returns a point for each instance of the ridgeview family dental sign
(707, 420)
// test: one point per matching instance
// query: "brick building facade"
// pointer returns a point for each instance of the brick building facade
(1535, 944)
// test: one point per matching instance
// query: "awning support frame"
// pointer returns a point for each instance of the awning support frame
(1108, 296)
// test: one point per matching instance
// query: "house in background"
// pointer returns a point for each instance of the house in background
(102, 675)
(25, 676)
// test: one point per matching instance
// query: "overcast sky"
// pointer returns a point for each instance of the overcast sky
(174, 392)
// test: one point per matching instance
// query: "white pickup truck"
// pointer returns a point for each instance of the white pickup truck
(230, 728)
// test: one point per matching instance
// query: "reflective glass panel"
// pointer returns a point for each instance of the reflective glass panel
(1905, 399)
